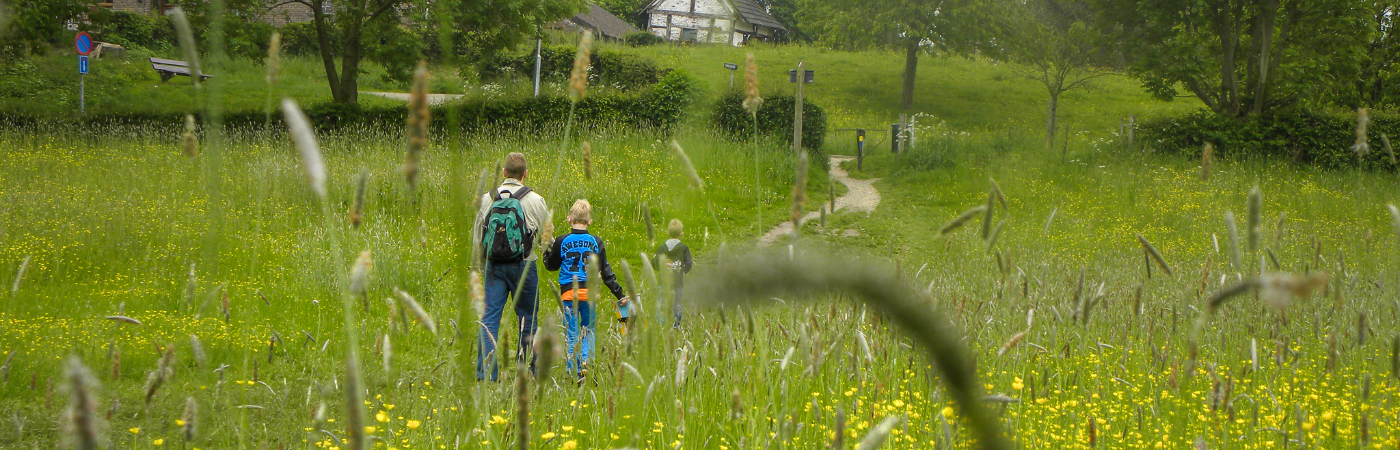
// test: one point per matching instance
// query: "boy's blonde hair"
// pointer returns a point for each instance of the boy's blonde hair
(514, 165)
(581, 212)
(675, 229)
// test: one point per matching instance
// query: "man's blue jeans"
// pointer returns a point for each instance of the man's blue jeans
(502, 281)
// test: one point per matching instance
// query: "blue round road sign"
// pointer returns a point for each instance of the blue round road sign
(83, 43)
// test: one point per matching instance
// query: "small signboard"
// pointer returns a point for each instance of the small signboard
(808, 76)
(82, 64)
(731, 66)
(83, 43)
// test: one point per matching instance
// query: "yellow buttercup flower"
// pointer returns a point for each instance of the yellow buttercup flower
(948, 411)
(413, 424)
(158, 442)
(136, 430)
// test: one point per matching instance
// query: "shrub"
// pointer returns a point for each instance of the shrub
(660, 107)
(299, 39)
(1311, 137)
(774, 117)
(135, 31)
(617, 70)
(643, 39)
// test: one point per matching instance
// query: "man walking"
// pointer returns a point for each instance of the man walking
(510, 219)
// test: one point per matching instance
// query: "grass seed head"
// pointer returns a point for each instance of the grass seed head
(419, 314)
(189, 418)
(1361, 147)
(82, 425)
(478, 292)
(962, 219)
(190, 143)
(274, 57)
(1156, 255)
(386, 352)
(1281, 290)
(522, 407)
(359, 276)
(417, 123)
(687, 166)
(357, 209)
(578, 78)
(157, 377)
(1207, 157)
(1234, 241)
(305, 139)
(197, 350)
(1385, 143)
(877, 435)
(752, 99)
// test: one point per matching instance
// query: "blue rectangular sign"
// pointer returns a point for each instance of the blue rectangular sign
(82, 64)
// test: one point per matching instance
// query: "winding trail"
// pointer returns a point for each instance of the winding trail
(860, 196)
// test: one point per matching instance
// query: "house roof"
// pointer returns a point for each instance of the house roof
(607, 24)
(754, 14)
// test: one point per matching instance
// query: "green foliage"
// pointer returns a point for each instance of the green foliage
(137, 31)
(34, 25)
(629, 11)
(1310, 137)
(299, 39)
(775, 117)
(618, 70)
(643, 39)
(1212, 48)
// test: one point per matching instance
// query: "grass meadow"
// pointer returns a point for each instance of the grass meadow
(1077, 339)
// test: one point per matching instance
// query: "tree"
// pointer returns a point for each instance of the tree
(916, 26)
(1239, 57)
(33, 25)
(350, 18)
(1380, 60)
(1059, 47)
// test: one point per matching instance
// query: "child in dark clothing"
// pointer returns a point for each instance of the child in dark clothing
(675, 257)
(569, 255)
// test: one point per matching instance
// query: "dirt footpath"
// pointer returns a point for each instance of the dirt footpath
(860, 196)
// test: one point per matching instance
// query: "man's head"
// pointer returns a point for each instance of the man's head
(581, 213)
(515, 166)
(675, 229)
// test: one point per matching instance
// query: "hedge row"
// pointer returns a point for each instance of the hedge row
(1310, 137)
(774, 117)
(618, 70)
(660, 107)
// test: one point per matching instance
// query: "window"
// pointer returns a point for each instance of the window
(690, 34)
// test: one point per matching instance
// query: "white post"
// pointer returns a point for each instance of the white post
(537, 66)
(797, 113)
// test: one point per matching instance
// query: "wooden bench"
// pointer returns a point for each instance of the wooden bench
(169, 68)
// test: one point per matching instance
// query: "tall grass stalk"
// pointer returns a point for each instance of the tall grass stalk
(310, 150)
(752, 101)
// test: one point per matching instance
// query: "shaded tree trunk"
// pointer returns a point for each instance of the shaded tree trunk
(323, 37)
(1051, 121)
(911, 65)
(1265, 37)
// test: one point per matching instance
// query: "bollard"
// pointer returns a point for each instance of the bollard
(860, 150)
(894, 138)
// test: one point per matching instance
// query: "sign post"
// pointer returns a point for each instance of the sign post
(807, 76)
(83, 44)
(860, 149)
(732, 67)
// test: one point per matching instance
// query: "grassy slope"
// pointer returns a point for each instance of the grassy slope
(114, 221)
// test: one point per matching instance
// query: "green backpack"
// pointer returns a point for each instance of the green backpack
(505, 236)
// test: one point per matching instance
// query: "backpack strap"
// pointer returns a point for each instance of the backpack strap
(521, 193)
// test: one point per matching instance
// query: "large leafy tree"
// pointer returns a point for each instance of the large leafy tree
(1239, 57)
(480, 29)
(915, 26)
(33, 25)
(1058, 45)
